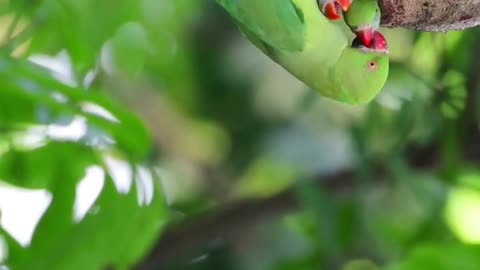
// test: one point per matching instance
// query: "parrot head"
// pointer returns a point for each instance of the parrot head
(363, 18)
(362, 71)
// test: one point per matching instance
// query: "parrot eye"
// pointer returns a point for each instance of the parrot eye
(372, 65)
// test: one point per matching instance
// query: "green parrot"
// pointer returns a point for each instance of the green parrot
(296, 35)
(363, 18)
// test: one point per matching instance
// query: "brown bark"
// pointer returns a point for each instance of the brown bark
(430, 15)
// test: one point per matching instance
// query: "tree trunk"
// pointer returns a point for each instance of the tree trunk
(431, 15)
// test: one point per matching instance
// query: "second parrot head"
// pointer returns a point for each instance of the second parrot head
(363, 18)
(362, 71)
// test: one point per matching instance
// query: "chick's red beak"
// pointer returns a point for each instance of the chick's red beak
(366, 36)
(333, 9)
(344, 4)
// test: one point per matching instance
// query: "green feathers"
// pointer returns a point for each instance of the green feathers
(276, 22)
(296, 35)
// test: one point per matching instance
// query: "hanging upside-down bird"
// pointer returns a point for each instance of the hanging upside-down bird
(298, 36)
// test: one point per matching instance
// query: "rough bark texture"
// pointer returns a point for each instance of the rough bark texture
(431, 15)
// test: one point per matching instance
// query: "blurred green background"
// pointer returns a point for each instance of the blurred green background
(149, 134)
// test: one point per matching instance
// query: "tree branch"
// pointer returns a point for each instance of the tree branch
(431, 15)
(233, 221)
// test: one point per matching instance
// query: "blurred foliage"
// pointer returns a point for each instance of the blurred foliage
(168, 113)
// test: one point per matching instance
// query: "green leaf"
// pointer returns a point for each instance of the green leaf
(441, 257)
(117, 234)
(34, 87)
(36, 168)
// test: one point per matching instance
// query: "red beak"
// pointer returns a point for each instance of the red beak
(344, 4)
(366, 36)
(333, 9)
(379, 43)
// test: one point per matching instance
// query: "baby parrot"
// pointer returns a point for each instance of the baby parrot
(296, 35)
(363, 18)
